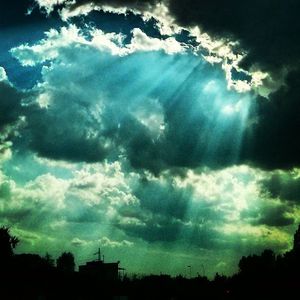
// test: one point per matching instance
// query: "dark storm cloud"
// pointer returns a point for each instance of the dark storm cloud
(164, 230)
(154, 232)
(16, 216)
(164, 199)
(63, 139)
(281, 192)
(167, 213)
(282, 185)
(193, 124)
(269, 214)
(10, 111)
(93, 115)
(273, 141)
(69, 129)
(142, 151)
(10, 104)
(268, 29)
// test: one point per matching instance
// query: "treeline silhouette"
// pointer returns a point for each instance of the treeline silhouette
(30, 276)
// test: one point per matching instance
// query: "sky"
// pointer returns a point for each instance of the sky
(165, 132)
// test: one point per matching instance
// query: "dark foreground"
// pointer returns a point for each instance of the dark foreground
(53, 284)
(30, 276)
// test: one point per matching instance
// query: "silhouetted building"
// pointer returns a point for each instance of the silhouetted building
(101, 270)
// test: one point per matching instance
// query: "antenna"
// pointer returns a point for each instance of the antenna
(99, 254)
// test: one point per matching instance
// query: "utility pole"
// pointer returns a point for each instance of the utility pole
(190, 267)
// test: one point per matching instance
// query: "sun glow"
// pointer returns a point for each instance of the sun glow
(232, 108)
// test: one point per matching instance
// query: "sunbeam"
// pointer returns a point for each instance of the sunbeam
(163, 132)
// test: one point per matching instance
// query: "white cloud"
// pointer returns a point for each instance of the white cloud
(221, 51)
(96, 204)
(78, 242)
(165, 22)
(142, 42)
(50, 205)
(85, 9)
(45, 189)
(106, 242)
(55, 41)
(48, 5)
(48, 48)
(229, 190)
(102, 184)
(150, 113)
(3, 76)
(5, 151)
(51, 163)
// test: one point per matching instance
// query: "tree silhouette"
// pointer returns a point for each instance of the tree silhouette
(296, 245)
(268, 261)
(7, 243)
(66, 262)
(264, 275)
(49, 260)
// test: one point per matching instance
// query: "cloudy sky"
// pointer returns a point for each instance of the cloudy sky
(165, 132)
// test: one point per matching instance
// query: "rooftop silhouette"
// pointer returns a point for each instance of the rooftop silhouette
(30, 276)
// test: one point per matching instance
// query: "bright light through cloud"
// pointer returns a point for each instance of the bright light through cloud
(231, 109)
(122, 129)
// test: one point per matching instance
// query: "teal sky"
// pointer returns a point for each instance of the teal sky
(165, 143)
